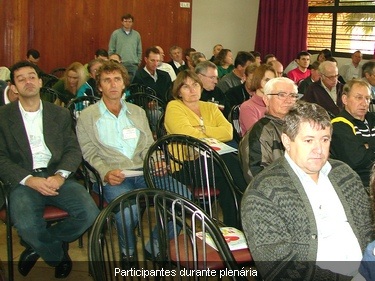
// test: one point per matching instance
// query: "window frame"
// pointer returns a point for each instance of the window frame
(337, 9)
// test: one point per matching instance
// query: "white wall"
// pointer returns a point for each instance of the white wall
(231, 23)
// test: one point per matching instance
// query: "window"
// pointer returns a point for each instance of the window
(343, 26)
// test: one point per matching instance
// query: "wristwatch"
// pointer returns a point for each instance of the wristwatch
(63, 175)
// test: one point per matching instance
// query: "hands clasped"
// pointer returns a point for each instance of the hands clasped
(46, 186)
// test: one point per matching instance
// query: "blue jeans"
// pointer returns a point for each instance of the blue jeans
(111, 192)
(27, 208)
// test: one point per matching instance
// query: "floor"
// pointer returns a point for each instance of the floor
(41, 271)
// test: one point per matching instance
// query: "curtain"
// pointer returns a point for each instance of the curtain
(282, 28)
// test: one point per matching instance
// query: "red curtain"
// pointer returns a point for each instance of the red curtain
(282, 28)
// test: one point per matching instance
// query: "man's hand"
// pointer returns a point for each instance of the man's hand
(56, 181)
(42, 185)
(114, 177)
(160, 169)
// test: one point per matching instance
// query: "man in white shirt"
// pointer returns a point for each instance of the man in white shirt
(165, 66)
(305, 215)
(353, 69)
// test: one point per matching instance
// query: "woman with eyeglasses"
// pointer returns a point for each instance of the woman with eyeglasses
(255, 108)
(188, 115)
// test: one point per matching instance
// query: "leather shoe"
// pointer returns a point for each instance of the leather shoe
(63, 269)
(27, 261)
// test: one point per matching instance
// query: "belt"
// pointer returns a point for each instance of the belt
(39, 170)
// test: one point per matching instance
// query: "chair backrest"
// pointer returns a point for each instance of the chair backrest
(233, 118)
(49, 94)
(140, 88)
(161, 131)
(195, 164)
(78, 104)
(58, 72)
(172, 222)
(49, 80)
(153, 106)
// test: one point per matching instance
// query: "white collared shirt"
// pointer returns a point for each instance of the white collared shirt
(155, 76)
(332, 93)
(33, 122)
(336, 239)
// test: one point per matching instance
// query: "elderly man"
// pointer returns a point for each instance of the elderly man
(304, 210)
(327, 90)
(262, 145)
(207, 72)
(353, 69)
(368, 75)
(165, 66)
(353, 139)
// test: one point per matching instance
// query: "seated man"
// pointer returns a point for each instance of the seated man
(207, 72)
(302, 70)
(175, 52)
(114, 137)
(327, 91)
(152, 77)
(237, 76)
(314, 76)
(304, 210)
(38, 152)
(368, 75)
(262, 145)
(353, 139)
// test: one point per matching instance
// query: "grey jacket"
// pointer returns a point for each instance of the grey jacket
(279, 222)
(104, 158)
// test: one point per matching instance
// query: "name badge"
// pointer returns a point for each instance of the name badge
(129, 133)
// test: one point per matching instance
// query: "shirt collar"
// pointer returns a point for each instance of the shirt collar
(24, 112)
(103, 108)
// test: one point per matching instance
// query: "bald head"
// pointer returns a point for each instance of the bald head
(279, 68)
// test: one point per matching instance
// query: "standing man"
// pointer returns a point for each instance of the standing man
(306, 217)
(353, 69)
(152, 77)
(262, 145)
(38, 153)
(327, 91)
(353, 139)
(302, 71)
(126, 42)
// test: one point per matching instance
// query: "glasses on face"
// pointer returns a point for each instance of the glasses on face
(130, 21)
(284, 95)
(333, 77)
(360, 98)
(210, 77)
(191, 87)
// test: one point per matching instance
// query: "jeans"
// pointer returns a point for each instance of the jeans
(27, 208)
(111, 192)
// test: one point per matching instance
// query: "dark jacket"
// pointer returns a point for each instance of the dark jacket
(317, 94)
(162, 86)
(15, 153)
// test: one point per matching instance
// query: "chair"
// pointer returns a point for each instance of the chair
(160, 130)
(58, 72)
(51, 214)
(90, 177)
(233, 118)
(78, 104)
(194, 163)
(49, 94)
(49, 80)
(139, 88)
(173, 222)
(153, 106)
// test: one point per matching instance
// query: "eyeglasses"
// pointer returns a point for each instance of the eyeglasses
(331, 77)
(361, 98)
(211, 77)
(284, 95)
(128, 21)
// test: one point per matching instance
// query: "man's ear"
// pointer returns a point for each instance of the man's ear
(266, 100)
(286, 141)
(344, 99)
(13, 88)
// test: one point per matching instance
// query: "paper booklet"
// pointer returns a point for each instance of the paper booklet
(132, 173)
(235, 238)
(219, 146)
